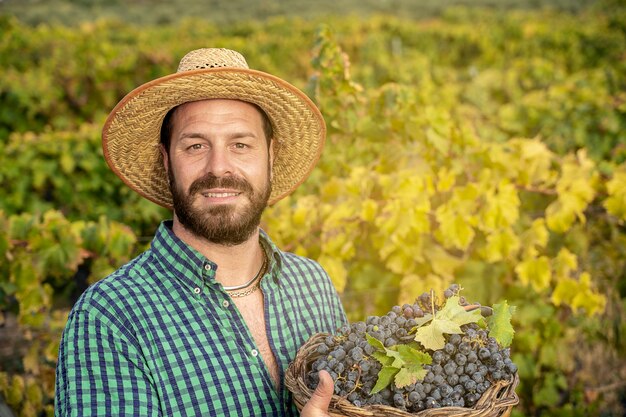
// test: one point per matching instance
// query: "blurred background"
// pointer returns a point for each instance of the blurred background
(479, 142)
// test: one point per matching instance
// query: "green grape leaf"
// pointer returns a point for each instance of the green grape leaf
(385, 376)
(422, 320)
(500, 327)
(383, 355)
(383, 358)
(448, 320)
(409, 375)
(374, 342)
(398, 362)
(431, 335)
(413, 357)
(454, 312)
(403, 362)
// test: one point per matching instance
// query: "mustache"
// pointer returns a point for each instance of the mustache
(211, 181)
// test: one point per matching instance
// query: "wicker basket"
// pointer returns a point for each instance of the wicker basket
(497, 401)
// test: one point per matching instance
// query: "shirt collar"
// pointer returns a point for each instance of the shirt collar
(193, 268)
(274, 255)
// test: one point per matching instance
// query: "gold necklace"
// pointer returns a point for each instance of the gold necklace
(256, 280)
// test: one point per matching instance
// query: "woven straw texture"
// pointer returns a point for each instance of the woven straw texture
(497, 401)
(131, 134)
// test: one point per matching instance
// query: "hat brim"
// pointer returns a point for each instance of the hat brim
(131, 133)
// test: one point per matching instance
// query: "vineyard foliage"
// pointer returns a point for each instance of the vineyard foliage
(480, 147)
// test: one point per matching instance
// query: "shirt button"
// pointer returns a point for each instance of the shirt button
(255, 353)
(196, 290)
(225, 304)
(207, 267)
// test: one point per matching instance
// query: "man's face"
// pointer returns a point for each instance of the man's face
(219, 169)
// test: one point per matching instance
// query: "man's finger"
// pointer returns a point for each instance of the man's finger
(320, 400)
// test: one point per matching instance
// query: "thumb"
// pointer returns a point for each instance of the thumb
(317, 406)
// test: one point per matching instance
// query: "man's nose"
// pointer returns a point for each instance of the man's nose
(219, 163)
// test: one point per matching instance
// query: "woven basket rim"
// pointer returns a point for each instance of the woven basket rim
(498, 400)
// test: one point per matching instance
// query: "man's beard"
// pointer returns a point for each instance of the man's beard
(220, 224)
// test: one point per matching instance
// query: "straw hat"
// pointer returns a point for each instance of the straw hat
(131, 133)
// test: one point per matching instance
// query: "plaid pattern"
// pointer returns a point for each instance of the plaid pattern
(160, 337)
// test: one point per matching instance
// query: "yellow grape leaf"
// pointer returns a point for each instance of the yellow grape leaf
(536, 237)
(121, 241)
(31, 360)
(502, 208)
(15, 392)
(561, 214)
(301, 250)
(369, 210)
(336, 270)
(441, 262)
(454, 231)
(300, 216)
(445, 180)
(412, 284)
(575, 189)
(501, 245)
(578, 294)
(438, 142)
(338, 244)
(399, 262)
(331, 189)
(615, 204)
(564, 263)
(338, 214)
(537, 159)
(33, 395)
(535, 272)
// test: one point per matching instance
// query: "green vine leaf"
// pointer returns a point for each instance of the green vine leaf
(375, 342)
(500, 327)
(448, 320)
(413, 362)
(402, 364)
(385, 377)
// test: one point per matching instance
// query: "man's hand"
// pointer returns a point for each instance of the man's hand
(317, 406)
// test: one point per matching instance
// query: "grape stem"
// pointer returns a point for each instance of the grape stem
(471, 307)
(432, 300)
(356, 383)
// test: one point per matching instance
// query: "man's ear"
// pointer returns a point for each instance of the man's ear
(165, 156)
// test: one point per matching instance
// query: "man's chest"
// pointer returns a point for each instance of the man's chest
(252, 310)
(207, 358)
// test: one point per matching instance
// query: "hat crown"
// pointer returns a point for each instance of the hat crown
(211, 58)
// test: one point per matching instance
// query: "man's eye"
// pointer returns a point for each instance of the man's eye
(241, 145)
(196, 146)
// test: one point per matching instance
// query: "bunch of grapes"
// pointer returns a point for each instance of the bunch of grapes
(459, 373)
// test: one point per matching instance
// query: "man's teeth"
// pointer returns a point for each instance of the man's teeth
(219, 195)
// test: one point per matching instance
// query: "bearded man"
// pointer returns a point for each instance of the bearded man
(207, 320)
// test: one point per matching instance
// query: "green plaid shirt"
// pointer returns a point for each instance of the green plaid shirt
(160, 337)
